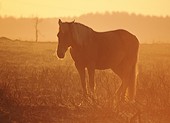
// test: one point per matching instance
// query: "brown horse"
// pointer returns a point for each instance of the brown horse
(116, 50)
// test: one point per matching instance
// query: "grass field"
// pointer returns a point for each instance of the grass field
(36, 87)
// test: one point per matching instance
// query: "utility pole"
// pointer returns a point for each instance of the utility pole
(36, 29)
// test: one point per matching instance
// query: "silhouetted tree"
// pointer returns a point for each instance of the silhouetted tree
(37, 21)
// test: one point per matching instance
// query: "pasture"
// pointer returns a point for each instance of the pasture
(35, 86)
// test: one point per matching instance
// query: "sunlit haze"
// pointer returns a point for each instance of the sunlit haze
(62, 8)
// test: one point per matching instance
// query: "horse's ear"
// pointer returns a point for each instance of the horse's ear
(73, 21)
(59, 21)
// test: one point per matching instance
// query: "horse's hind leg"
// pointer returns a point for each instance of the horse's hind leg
(123, 75)
(132, 83)
(120, 93)
(127, 88)
(81, 71)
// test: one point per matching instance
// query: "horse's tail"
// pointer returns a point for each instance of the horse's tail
(133, 76)
(132, 83)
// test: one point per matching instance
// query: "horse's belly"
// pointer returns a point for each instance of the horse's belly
(104, 64)
(102, 67)
(110, 60)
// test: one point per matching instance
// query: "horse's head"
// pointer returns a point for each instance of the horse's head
(64, 38)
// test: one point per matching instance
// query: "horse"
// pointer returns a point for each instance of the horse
(116, 50)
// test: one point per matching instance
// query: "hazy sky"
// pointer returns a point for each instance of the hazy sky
(60, 8)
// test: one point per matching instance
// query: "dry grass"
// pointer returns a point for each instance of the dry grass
(37, 87)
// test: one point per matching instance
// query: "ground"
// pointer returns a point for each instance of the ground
(35, 86)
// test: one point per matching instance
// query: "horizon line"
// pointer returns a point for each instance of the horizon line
(94, 13)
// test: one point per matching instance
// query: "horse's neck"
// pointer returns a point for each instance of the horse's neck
(81, 34)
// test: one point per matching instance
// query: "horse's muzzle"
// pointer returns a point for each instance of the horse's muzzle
(60, 55)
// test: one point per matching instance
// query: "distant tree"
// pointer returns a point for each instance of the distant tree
(37, 21)
(36, 29)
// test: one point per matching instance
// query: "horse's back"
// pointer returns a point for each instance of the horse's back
(117, 40)
(114, 46)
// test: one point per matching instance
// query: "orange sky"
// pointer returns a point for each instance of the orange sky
(58, 8)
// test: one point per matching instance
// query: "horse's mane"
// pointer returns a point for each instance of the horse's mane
(82, 25)
(81, 32)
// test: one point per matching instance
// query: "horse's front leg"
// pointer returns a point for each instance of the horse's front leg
(81, 71)
(91, 72)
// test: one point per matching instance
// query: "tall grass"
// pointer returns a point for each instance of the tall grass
(36, 87)
(60, 87)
